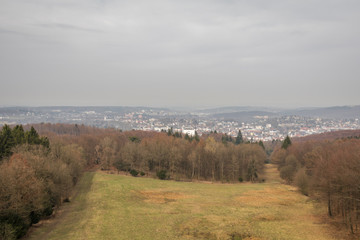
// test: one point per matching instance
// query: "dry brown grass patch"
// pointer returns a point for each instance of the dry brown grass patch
(267, 217)
(268, 196)
(162, 196)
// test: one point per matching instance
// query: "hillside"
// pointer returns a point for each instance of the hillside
(339, 112)
(122, 207)
(243, 116)
(329, 136)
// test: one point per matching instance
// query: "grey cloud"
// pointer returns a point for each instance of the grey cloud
(243, 52)
(67, 27)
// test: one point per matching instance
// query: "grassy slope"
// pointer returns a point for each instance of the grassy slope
(120, 207)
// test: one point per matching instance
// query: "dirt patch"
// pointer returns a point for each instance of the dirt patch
(268, 196)
(162, 196)
(267, 217)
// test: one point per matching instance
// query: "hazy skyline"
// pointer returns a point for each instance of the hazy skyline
(179, 53)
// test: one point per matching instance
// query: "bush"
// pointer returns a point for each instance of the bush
(162, 174)
(13, 226)
(133, 172)
(241, 179)
(302, 182)
(7, 231)
(35, 216)
(142, 174)
(287, 173)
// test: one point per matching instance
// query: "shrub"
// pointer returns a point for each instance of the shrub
(287, 173)
(302, 182)
(142, 173)
(13, 226)
(241, 179)
(7, 231)
(133, 172)
(161, 174)
(35, 216)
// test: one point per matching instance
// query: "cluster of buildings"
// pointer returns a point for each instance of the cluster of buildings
(263, 128)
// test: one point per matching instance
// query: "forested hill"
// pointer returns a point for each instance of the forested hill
(329, 135)
(327, 168)
(39, 170)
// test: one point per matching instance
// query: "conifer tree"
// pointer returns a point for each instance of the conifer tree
(262, 144)
(32, 137)
(286, 143)
(239, 138)
(18, 134)
(197, 138)
(6, 141)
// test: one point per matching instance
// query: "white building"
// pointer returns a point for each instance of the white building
(188, 131)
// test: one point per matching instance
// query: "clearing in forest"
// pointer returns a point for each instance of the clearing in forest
(123, 207)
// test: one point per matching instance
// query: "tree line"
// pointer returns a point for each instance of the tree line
(40, 164)
(10, 138)
(35, 177)
(205, 159)
(209, 157)
(325, 170)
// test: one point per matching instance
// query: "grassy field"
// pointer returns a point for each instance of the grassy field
(120, 207)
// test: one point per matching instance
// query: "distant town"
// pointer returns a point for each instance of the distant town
(255, 124)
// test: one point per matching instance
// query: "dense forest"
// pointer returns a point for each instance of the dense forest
(38, 173)
(40, 165)
(34, 178)
(327, 170)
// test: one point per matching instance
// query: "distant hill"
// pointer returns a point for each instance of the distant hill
(99, 109)
(234, 109)
(246, 113)
(341, 112)
(329, 136)
(243, 116)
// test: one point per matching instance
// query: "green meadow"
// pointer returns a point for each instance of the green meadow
(111, 206)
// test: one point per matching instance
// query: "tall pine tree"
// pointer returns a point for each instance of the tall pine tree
(286, 143)
(6, 141)
(239, 138)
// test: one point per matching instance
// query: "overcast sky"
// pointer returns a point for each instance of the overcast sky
(282, 53)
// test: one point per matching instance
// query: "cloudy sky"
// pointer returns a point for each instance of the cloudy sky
(196, 53)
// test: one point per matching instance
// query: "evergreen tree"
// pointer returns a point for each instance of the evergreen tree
(197, 138)
(135, 139)
(1, 147)
(239, 138)
(286, 143)
(262, 144)
(32, 137)
(224, 139)
(18, 134)
(44, 141)
(170, 132)
(7, 141)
